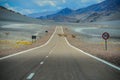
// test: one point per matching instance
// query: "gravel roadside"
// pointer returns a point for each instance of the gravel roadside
(41, 41)
(97, 49)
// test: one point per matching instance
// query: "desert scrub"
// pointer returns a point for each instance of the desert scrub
(24, 42)
(73, 36)
(64, 35)
(4, 42)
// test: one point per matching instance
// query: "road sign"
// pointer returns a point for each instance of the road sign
(34, 38)
(105, 36)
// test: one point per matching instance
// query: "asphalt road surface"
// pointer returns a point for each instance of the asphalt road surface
(56, 60)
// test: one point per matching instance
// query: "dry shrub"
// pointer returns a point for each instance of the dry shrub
(4, 42)
(7, 33)
(62, 35)
(73, 36)
(65, 35)
(66, 28)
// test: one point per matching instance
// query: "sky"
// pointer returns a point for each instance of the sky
(35, 6)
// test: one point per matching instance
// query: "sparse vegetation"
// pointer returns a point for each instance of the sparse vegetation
(73, 36)
(62, 35)
(96, 48)
(4, 42)
(7, 33)
(66, 28)
(23, 42)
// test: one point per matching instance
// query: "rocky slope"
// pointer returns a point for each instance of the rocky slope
(9, 15)
(105, 11)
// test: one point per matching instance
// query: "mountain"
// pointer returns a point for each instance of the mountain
(105, 11)
(65, 12)
(107, 5)
(35, 15)
(59, 16)
(9, 15)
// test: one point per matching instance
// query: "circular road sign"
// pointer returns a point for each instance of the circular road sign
(105, 35)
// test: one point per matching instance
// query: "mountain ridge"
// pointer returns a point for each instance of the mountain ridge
(9, 15)
(107, 9)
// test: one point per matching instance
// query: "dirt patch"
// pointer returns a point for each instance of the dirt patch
(97, 49)
(15, 49)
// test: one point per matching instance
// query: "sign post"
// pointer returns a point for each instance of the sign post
(106, 45)
(33, 38)
(105, 36)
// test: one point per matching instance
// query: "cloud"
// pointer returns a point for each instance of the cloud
(33, 6)
(64, 1)
(20, 10)
(45, 3)
(52, 3)
(85, 1)
(98, 1)
(89, 1)
(10, 7)
(59, 8)
(27, 11)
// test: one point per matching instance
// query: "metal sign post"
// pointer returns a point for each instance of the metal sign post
(105, 36)
(106, 45)
(33, 38)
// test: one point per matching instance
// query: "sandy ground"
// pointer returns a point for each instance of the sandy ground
(112, 54)
(42, 40)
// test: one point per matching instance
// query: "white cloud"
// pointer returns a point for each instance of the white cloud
(84, 1)
(45, 2)
(27, 11)
(20, 10)
(9, 7)
(52, 3)
(99, 1)
(64, 1)
(59, 8)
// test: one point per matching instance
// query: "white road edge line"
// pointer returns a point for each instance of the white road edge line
(42, 62)
(30, 76)
(46, 56)
(2, 58)
(94, 57)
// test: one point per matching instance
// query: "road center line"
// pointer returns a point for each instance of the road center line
(46, 56)
(30, 76)
(52, 50)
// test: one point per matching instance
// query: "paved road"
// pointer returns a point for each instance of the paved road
(55, 61)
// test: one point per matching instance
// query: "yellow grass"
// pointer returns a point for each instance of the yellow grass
(16, 46)
(4, 42)
(24, 42)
